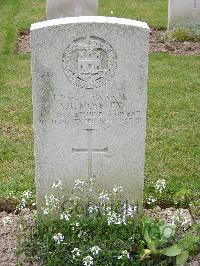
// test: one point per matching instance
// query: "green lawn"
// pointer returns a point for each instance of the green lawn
(154, 12)
(173, 110)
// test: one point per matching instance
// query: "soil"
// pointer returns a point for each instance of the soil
(7, 205)
(8, 240)
(157, 44)
(23, 42)
(8, 230)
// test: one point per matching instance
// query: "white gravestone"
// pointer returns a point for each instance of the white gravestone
(183, 12)
(71, 8)
(89, 99)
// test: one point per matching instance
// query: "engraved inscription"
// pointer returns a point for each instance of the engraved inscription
(89, 62)
(90, 151)
(96, 109)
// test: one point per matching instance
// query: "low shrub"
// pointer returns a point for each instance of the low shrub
(183, 34)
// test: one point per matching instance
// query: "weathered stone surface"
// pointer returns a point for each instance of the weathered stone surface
(183, 12)
(71, 8)
(89, 99)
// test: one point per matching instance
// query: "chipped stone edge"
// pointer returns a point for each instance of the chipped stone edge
(89, 19)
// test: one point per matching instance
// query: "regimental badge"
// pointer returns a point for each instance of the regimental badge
(89, 62)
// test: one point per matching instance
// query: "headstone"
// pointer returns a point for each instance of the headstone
(183, 12)
(89, 99)
(71, 8)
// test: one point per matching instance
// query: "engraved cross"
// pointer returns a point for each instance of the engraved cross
(90, 152)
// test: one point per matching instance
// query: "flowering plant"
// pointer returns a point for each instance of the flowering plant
(96, 227)
(157, 234)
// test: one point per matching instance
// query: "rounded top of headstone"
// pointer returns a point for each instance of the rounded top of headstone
(89, 19)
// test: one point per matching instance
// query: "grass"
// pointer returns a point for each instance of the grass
(173, 131)
(16, 143)
(154, 12)
(173, 122)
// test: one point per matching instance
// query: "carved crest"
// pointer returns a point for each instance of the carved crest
(89, 62)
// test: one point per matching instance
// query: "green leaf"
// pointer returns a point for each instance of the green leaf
(162, 223)
(148, 239)
(182, 258)
(167, 231)
(146, 220)
(172, 251)
(146, 236)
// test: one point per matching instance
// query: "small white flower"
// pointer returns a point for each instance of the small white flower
(91, 179)
(111, 12)
(27, 194)
(52, 201)
(80, 234)
(7, 220)
(46, 211)
(129, 210)
(103, 197)
(79, 184)
(95, 250)
(75, 253)
(117, 189)
(22, 203)
(93, 209)
(46, 200)
(11, 194)
(74, 200)
(90, 209)
(115, 218)
(151, 200)
(88, 261)
(57, 184)
(76, 224)
(124, 255)
(58, 238)
(65, 216)
(160, 185)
